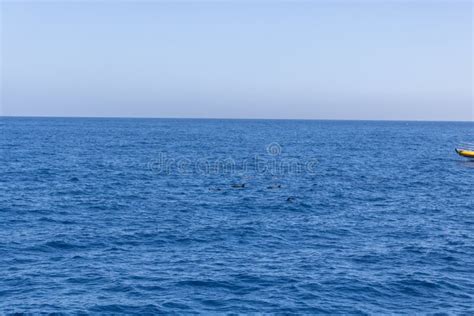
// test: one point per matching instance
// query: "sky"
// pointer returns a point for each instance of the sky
(387, 60)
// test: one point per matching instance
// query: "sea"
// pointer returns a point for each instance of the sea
(209, 216)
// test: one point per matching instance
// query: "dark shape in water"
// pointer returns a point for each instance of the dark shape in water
(74, 179)
(238, 185)
(275, 186)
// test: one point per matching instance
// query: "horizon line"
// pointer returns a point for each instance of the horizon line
(231, 118)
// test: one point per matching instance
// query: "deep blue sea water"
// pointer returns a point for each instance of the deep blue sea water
(215, 216)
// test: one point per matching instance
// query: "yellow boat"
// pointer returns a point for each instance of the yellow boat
(465, 153)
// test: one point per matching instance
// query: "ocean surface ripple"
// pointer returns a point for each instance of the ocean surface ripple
(115, 216)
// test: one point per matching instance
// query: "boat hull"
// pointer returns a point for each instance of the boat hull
(465, 153)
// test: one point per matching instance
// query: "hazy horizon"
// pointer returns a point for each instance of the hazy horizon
(228, 118)
(397, 60)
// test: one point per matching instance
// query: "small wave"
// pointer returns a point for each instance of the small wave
(207, 284)
(62, 245)
(126, 309)
(51, 220)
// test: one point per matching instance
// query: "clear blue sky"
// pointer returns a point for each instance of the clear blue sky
(268, 59)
